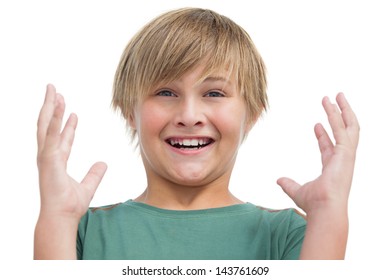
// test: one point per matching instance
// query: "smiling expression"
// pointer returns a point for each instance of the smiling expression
(190, 130)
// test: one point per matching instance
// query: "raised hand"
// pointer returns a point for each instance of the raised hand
(60, 193)
(338, 160)
(325, 199)
(63, 200)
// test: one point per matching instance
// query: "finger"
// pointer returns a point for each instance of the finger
(45, 114)
(325, 144)
(68, 134)
(54, 128)
(347, 113)
(94, 176)
(290, 187)
(336, 121)
(350, 120)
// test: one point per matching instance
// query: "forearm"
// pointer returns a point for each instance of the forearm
(326, 235)
(55, 238)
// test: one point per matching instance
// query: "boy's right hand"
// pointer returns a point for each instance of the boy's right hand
(61, 195)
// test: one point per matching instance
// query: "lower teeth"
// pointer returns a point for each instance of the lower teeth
(190, 148)
(181, 147)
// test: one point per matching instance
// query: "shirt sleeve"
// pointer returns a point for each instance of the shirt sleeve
(295, 235)
(287, 233)
(81, 235)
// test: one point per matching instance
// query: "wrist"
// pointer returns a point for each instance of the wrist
(55, 237)
(51, 211)
(68, 220)
(334, 217)
(51, 227)
(329, 208)
(326, 233)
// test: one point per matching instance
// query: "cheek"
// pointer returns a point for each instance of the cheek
(231, 121)
(149, 120)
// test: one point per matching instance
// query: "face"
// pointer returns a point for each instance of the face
(189, 132)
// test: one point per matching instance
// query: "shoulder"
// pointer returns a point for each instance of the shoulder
(100, 212)
(111, 213)
(288, 217)
(286, 211)
(105, 208)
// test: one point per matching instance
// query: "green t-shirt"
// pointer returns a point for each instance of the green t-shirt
(137, 231)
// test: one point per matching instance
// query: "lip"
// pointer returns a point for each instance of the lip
(187, 152)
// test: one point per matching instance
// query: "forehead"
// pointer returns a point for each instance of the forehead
(204, 74)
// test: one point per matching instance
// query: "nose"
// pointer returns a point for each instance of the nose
(189, 113)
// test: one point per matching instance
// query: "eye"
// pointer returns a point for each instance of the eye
(214, 94)
(166, 93)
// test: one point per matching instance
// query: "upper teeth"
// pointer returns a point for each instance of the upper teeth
(188, 142)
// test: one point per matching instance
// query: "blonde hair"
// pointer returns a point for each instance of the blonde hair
(177, 41)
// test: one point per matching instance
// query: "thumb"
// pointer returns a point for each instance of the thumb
(94, 176)
(289, 186)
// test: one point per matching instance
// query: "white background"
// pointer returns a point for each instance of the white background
(311, 49)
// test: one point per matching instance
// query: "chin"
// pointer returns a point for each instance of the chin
(193, 180)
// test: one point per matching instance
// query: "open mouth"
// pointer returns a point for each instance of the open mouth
(189, 143)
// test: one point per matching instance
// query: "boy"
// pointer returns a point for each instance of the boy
(191, 85)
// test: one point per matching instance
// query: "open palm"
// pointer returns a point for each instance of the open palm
(333, 185)
(60, 193)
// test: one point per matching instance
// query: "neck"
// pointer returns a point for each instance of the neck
(178, 197)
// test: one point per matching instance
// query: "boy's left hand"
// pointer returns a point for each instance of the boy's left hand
(331, 188)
